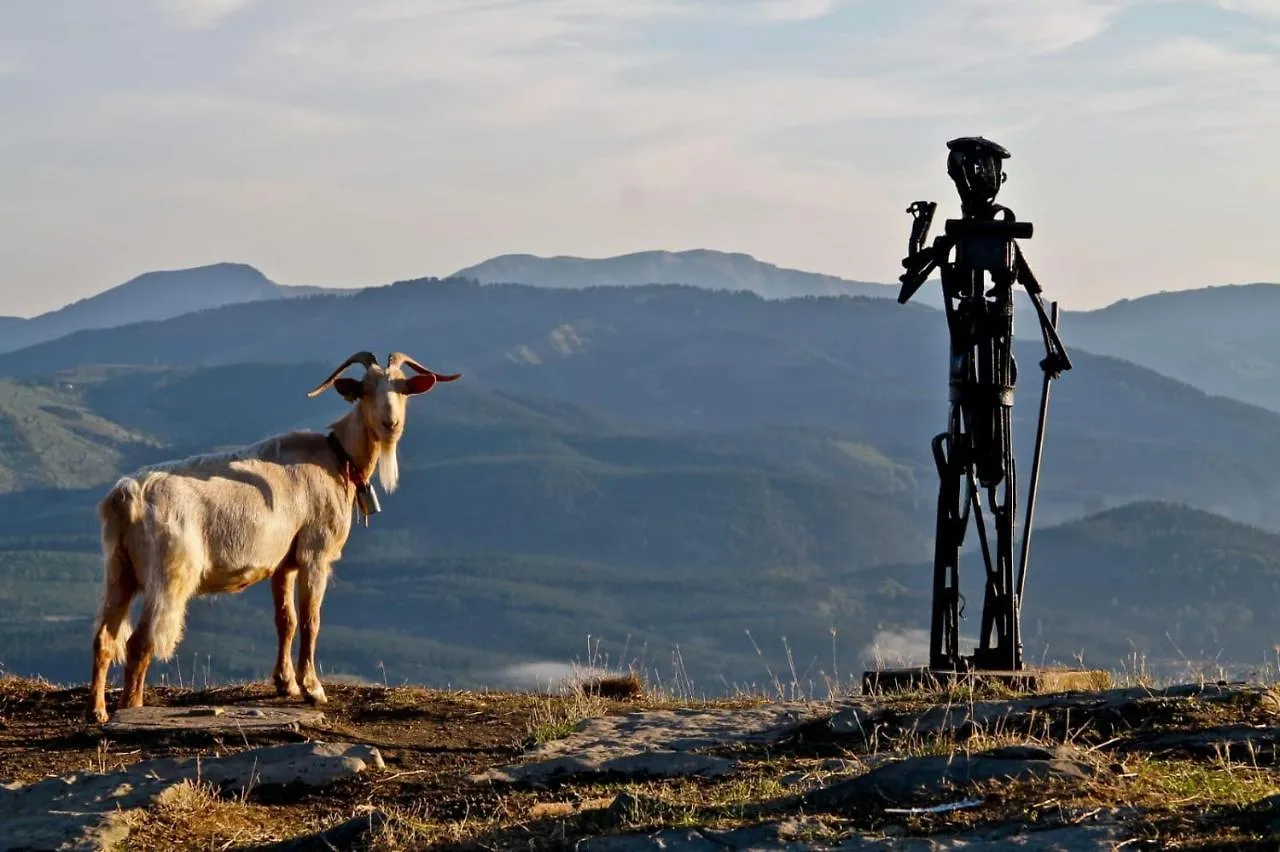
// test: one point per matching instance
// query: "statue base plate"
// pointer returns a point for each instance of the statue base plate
(1031, 680)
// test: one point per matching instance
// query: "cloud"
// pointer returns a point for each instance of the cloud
(773, 11)
(1255, 8)
(433, 133)
(543, 676)
(11, 66)
(200, 14)
(897, 648)
(1042, 27)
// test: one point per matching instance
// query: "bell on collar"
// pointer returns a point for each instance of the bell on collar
(367, 500)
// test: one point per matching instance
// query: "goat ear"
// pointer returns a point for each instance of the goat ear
(351, 389)
(418, 384)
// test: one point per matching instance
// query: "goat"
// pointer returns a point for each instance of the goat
(280, 508)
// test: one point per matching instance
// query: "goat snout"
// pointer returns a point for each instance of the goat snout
(390, 424)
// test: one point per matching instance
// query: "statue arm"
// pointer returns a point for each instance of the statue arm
(921, 260)
(1056, 360)
(920, 266)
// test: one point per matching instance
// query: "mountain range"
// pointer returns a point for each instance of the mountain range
(681, 357)
(1218, 339)
(1222, 339)
(551, 523)
(710, 270)
(157, 295)
(659, 465)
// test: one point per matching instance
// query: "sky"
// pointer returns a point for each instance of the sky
(338, 143)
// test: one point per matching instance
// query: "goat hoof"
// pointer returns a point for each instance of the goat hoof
(97, 715)
(288, 689)
(317, 697)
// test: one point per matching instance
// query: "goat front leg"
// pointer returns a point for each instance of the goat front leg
(282, 586)
(313, 578)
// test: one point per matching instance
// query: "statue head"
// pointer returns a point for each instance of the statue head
(974, 164)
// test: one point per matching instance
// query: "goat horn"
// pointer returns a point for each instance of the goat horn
(396, 359)
(367, 359)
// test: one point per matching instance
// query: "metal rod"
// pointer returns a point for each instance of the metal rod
(1035, 472)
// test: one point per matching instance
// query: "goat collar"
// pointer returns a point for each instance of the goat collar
(366, 497)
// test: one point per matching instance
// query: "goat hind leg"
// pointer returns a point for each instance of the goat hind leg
(140, 647)
(313, 578)
(282, 586)
(158, 633)
(119, 587)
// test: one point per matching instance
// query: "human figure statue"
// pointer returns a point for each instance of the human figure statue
(975, 453)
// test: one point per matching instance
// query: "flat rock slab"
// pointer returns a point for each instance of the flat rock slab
(1233, 741)
(592, 762)
(214, 718)
(775, 837)
(90, 812)
(675, 742)
(859, 718)
(657, 743)
(770, 836)
(918, 776)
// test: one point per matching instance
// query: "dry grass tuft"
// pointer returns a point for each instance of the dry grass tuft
(558, 716)
(192, 814)
(626, 687)
(16, 685)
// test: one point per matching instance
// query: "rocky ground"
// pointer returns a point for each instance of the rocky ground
(1185, 767)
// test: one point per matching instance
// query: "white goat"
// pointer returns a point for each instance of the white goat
(280, 508)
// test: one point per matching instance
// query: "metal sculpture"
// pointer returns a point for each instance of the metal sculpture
(976, 451)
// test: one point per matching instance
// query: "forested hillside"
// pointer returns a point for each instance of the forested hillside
(659, 467)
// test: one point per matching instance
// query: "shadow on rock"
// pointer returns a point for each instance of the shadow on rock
(925, 776)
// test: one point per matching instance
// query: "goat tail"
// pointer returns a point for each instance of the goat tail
(118, 511)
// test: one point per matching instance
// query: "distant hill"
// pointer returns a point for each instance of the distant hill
(679, 357)
(664, 549)
(1147, 584)
(1223, 340)
(550, 518)
(711, 270)
(1187, 585)
(151, 296)
(50, 439)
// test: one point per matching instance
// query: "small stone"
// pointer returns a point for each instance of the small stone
(793, 779)
(624, 808)
(348, 834)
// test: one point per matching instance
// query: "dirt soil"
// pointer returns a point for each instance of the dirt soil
(429, 740)
(1177, 794)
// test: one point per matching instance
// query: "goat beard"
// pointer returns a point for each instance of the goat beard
(388, 466)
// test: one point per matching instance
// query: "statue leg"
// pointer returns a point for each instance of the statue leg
(944, 635)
